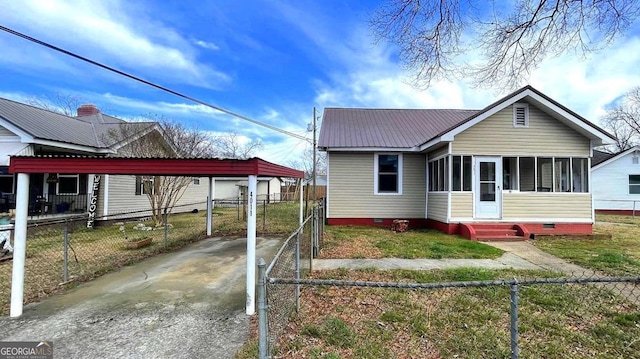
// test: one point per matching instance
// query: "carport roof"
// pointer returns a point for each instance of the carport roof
(149, 166)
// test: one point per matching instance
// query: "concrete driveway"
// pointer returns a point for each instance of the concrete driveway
(186, 304)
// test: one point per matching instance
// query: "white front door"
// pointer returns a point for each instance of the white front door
(487, 190)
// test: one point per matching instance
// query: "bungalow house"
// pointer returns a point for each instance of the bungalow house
(616, 181)
(520, 166)
(27, 130)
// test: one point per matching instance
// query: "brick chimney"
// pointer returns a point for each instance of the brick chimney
(86, 110)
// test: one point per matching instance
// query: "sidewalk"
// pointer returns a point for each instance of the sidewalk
(506, 261)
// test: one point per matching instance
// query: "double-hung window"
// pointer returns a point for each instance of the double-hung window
(388, 173)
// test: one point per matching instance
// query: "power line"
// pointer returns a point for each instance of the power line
(149, 83)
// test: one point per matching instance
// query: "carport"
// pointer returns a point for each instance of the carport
(250, 168)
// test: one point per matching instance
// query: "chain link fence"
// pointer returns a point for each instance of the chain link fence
(63, 250)
(293, 260)
(504, 313)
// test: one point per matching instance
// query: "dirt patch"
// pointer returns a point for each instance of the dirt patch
(356, 247)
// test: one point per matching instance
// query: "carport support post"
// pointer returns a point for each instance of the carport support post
(251, 246)
(19, 245)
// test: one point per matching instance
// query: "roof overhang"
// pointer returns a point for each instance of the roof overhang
(369, 149)
(150, 166)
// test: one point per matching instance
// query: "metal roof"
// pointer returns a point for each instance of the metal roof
(386, 128)
(408, 128)
(90, 131)
(150, 166)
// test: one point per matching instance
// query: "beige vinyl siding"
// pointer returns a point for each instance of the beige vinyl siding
(352, 193)
(194, 197)
(545, 136)
(461, 205)
(437, 206)
(122, 196)
(439, 152)
(546, 205)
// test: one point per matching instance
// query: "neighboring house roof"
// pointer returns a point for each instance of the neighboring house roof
(611, 157)
(33, 124)
(599, 157)
(416, 129)
(321, 180)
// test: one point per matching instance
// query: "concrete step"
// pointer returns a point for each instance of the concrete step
(497, 232)
(489, 238)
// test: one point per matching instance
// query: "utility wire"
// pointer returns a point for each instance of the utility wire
(162, 88)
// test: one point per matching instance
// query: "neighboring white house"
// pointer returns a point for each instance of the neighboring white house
(616, 181)
(230, 189)
(30, 131)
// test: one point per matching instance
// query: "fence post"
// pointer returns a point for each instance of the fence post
(263, 329)
(264, 216)
(315, 231)
(65, 269)
(166, 227)
(297, 271)
(514, 320)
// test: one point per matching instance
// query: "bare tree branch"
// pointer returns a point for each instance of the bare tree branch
(230, 145)
(623, 121)
(434, 35)
(166, 139)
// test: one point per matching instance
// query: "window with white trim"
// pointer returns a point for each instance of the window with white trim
(439, 175)
(634, 184)
(196, 181)
(461, 173)
(388, 173)
(520, 115)
(144, 185)
(68, 184)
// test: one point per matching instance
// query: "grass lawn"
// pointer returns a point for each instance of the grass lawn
(618, 256)
(555, 321)
(372, 242)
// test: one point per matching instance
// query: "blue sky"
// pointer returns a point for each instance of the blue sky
(269, 60)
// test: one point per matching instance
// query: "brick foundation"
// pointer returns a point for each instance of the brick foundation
(620, 212)
(524, 229)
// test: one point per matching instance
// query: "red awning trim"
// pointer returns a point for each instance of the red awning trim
(149, 166)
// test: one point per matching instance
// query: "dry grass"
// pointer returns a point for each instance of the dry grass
(373, 242)
(614, 250)
(555, 321)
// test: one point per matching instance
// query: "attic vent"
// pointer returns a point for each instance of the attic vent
(634, 160)
(520, 115)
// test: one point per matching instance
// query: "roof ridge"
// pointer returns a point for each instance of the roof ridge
(401, 109)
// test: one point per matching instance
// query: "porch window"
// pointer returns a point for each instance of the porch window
(68, 184)
(439, 174)
(580, 172)
(545, 174)
(461, 173)
(388, 174)
(510, 173)
(634, 184)
(562, 175)
(527, 174)
(196, 181)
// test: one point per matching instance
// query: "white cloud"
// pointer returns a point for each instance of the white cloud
(108, 31)
(206, 45)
